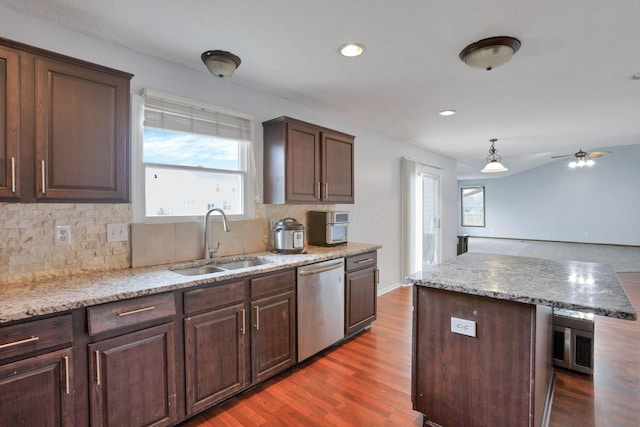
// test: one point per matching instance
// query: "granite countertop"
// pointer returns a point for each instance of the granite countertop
(581, 286)
(28, 299)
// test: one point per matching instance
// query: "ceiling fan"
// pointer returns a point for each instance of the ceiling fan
(583, 158)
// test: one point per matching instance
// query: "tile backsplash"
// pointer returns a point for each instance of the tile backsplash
(27, 249)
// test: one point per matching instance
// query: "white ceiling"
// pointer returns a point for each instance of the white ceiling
(569, 87)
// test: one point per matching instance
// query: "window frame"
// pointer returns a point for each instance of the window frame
(462, 215)
(138, 184)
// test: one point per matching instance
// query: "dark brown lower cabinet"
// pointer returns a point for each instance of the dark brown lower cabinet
(361, 291)
(38, 391)
(273, 344)
(501, 376)
(215, 354)
(133, 379)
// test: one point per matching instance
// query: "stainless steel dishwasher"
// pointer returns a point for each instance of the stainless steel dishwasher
(320, 306)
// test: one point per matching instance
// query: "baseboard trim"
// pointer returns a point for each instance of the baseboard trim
(554, 241)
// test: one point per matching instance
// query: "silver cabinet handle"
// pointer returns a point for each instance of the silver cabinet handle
(362, 261)
(243, 321)
(377, 276)
(317, 192)
(140, 310)
(13, 174)
(66, 373)
(326, 190)
(97, 367)
(257, 318)
(42, 167)
(14, 343)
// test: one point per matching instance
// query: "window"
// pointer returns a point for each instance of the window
(472, 206)
(190, 157)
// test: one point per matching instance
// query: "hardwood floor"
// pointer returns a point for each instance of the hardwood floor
(366, 381)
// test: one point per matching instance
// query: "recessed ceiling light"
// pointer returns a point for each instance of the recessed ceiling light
(351, 49)
(447, 112)
(636, 76)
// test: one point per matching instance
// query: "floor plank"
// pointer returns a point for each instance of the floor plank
(366, 381)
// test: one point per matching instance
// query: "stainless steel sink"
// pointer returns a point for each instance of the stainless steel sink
(221, 267)
(242, 263)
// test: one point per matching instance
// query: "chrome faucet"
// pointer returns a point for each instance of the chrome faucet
(225, 225)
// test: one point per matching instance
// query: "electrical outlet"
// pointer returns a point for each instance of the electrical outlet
(62, 235)
(463, 327)
(117, 232)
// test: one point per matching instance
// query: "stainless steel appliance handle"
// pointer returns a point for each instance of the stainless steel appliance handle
(321, 269)
(568, 357)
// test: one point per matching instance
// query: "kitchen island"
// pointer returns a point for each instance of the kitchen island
(482, 334)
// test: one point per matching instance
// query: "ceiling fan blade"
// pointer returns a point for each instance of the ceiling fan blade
(596, 154)
(565, 155)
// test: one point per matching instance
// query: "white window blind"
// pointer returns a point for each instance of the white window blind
(163, 111)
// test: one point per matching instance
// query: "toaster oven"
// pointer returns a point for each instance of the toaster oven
(327, 228)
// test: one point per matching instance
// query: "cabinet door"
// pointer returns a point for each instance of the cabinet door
(303, 163)
(337, 168)
(9, 123)
(273, 344)
(215, 356)
(81, 134)
(361, 299)
(133, 379)
(38, 391)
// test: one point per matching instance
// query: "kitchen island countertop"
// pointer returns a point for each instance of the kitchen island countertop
(29, 299)
(581, 286)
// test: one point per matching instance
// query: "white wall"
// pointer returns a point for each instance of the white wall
(600, 204)
(377, 212)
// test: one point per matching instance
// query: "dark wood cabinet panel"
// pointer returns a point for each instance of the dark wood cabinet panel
(303, 163)
(361, 299)
(470, 381)
(38, 391)
(361, 291)
(306, 163)
(337, 168)
(81, 133)
(65, 128)
(215, 356)
(133, 379)
(273, 344)
(9, 123)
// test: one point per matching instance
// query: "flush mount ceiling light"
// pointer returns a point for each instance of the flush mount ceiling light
(220, 63)
(487, 54)
(447, 112)
(493, 160)
(351, 49)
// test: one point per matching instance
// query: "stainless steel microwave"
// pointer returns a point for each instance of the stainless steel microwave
(327, 228)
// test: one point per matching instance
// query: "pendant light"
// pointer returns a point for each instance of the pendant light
(493, 160)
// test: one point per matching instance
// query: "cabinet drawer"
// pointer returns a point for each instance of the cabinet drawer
(273, 283)
(29, 337)
(357, 262)
(106, 317)
(213, 297)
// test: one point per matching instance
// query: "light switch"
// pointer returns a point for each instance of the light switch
(463, 327)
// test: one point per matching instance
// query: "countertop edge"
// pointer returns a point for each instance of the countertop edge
(22, 301)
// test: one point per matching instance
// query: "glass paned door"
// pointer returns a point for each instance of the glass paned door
(430, 220)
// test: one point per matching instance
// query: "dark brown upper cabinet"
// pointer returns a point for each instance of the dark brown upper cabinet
(65, 128)
(306, 163)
